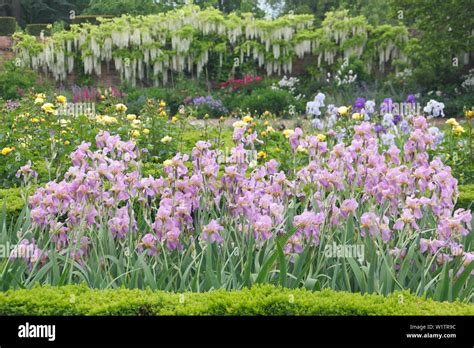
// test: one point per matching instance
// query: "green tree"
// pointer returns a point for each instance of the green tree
(48, 11)
(442, 29)
(133, 7)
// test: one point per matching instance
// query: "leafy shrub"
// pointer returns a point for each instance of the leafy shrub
(259, 300)
(7, 26)
(14, 80)
(466, 197)
(275, 101)
(454, 106)
(13, 201)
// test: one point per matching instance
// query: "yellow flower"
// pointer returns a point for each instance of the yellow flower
(61, 99)
(162, 104)
(131, 117)
(239, 124)
(452, 122)
(23, 145)
(247, 119)
(321, 137)
(40, 95)
(166, 139)
(105, 120)
(146, 131)
(135, 134)
(102, 97)
(357, 116)
(267, 113)
(34, 120)
(39, 101)
(469, 113)
(136, 123)
(206, 116)
(262, 154)
(221, 119)
(67, 142)
(167, 163)
(7, 150)
(342, 110)
(163, 113)
(121, 107)
(250, 130)
(270, 129)
(458, 130)
(263, 134)
(302, 149)
(48, 108)
(174, 119)
(288, 132)
(266, 123)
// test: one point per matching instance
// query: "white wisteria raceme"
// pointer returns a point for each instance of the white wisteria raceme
(152, 47)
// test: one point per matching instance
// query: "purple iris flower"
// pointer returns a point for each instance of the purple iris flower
(359, 104)
(379, 129)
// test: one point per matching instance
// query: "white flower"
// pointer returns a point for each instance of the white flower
(388, 139)
(166, 139)
(369, 106)
(434, 109)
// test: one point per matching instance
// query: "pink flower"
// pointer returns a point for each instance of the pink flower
(348, 206)
(148, 244)
(210, 232)
(262, 227)
(309, 224)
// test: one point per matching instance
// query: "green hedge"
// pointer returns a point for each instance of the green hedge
(466, 197)
(260, 300)
(7, 26)
(89, 19)
(35, 29)
(14, 202)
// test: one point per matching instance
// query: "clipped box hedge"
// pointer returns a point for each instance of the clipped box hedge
(93, 19)
(466, 197)
(260, 300)
(35, 29)
(7, 26)
(14, 202)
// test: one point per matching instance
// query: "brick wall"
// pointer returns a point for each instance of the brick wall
(6, 44)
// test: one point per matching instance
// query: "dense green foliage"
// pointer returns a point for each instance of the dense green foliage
(36, 29)
(7, 26)
(259, 300)
(15, 80)
(443, 39)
